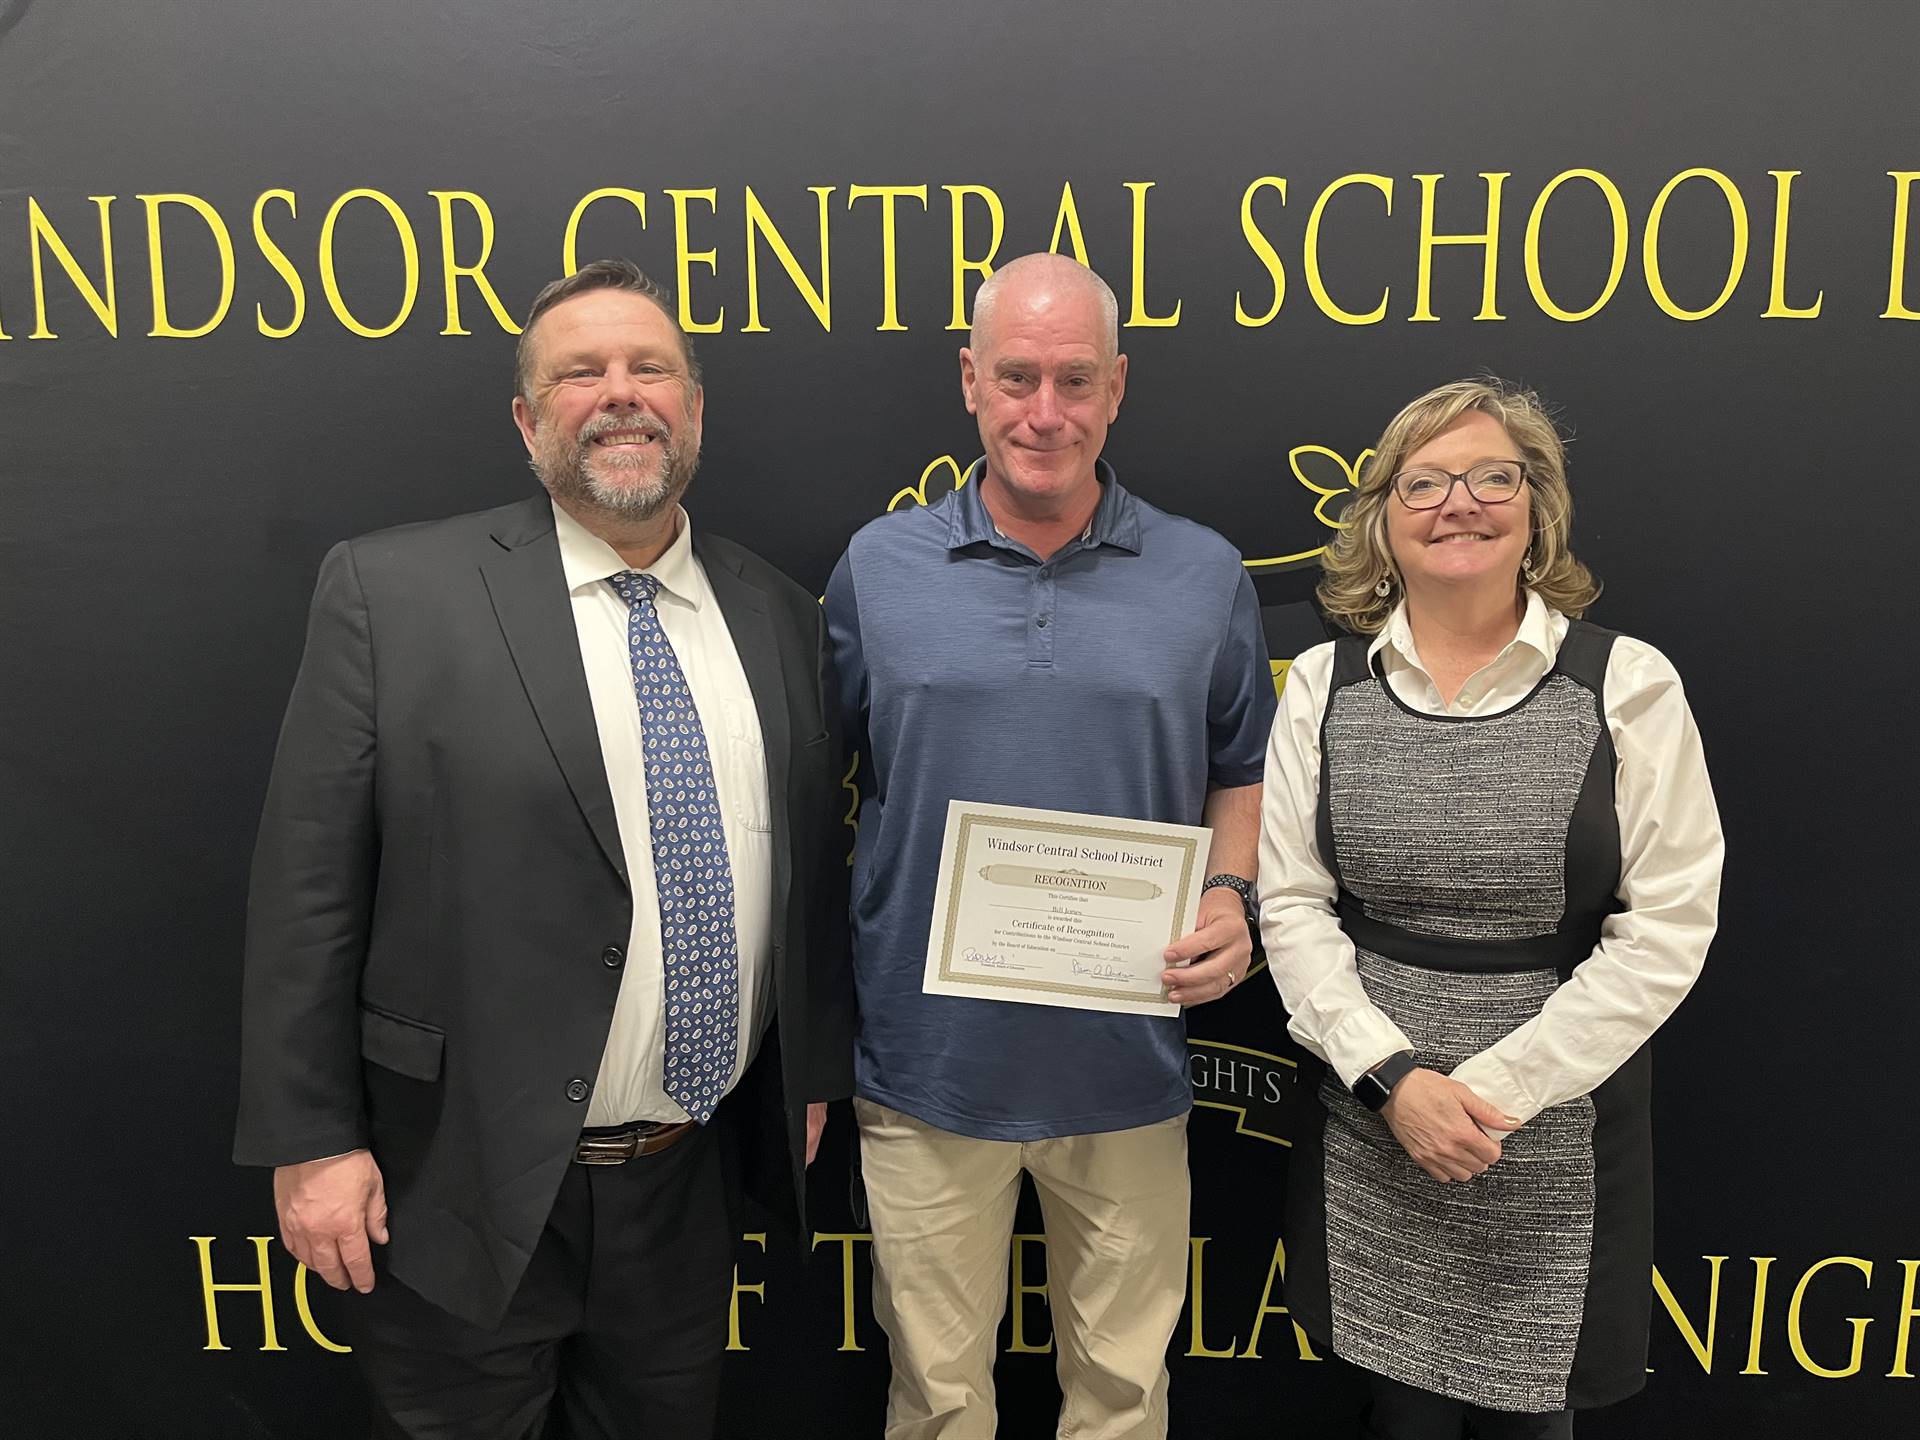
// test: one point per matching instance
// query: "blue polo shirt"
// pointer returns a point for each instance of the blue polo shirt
(1123, 676)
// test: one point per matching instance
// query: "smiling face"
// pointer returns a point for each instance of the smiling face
(612, 416)
(1461, 542)
(1044, 385)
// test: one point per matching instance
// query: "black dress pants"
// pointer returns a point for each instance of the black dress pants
(1401, 1412)
(615, 1333)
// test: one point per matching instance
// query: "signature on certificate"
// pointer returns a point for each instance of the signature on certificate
(988, 962)
(1101, 970)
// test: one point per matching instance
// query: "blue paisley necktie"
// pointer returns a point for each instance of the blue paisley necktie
(698, 942)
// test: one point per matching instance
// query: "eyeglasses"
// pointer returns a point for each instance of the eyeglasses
(1492, 482)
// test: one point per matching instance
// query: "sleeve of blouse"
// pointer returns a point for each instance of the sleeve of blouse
(1310, 956)
(1651, 951)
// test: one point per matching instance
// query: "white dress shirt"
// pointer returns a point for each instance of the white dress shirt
(1649, 953)
(631, 1086)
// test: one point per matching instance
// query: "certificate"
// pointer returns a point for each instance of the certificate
(1046, 907)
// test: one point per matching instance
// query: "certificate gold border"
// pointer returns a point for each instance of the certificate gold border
(1187, 845)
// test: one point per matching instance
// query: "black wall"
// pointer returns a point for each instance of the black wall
(1744, 484)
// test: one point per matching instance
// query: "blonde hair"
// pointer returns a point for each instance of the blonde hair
(1357, 560)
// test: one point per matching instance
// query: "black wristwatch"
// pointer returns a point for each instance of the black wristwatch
(1242, 888)
(1375, 1088)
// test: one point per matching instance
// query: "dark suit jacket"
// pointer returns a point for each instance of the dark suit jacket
(439, 884)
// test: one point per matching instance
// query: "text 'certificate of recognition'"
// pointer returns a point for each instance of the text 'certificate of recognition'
(1046, 907)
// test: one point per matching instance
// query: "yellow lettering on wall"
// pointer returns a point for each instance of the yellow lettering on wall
(1310, 256)
(1068, 218)
(1702, 1349)
(409, 250)
(1488, 240)
(262, 1286)
(1777, 307)
(300, 1277)
(760, 225)
(452, 270)
(887, 195)
(43, 235)
(1197, 1347)
(1756, 1324)
(1019, 1344)
(1650, 246)
(759, 1289)
(1897, 307)
(685, 258)
(1859, 1323)
(983, 266)
(1262, 247)
(1909, 1312)
(846, 1241)
(277, 258)
(1276, 1273)
(163, 325)
(1617, 212)
(570, 245)
(1139, 317)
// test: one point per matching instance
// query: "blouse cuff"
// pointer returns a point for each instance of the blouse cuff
(1495, 1082)
(1360, 1042)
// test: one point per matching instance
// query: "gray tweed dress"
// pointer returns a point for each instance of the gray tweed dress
(1476, 858)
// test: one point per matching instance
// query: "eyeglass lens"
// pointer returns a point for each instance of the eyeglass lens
(1491, 483)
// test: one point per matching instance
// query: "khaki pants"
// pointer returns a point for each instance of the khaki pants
(1116, 1208)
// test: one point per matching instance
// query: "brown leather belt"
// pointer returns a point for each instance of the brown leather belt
(628, 1142)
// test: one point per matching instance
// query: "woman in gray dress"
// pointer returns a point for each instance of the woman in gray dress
(1490, 867)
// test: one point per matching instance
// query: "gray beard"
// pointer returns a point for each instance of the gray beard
(573, 470)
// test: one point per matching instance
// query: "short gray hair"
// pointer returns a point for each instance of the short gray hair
(1060, 267)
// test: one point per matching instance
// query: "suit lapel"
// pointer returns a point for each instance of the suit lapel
(529, 593)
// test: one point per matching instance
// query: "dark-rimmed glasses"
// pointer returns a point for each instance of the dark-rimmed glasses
(1491, 482)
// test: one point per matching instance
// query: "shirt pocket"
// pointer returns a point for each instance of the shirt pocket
(746, 762)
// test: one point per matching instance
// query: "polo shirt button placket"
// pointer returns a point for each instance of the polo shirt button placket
(1040, 635)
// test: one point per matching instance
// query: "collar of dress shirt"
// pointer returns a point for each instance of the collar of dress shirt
(1114, 521)
(586, 559)
(1541, 631)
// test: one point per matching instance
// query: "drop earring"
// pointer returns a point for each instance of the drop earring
(1385, 587)
(1526, 568)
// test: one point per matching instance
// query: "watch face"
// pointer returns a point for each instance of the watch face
(1375, 1088)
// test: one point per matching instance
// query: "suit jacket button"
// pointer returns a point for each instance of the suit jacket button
(613, 957)
(578, 1090)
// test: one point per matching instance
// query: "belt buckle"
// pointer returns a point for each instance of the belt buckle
(606, 1150)
(618, 1149)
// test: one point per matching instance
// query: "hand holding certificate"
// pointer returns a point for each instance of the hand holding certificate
(1046, 907)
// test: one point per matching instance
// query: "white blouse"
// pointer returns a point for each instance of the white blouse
(1649, 952)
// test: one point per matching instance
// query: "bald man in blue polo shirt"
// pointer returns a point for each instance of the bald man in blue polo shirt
(1091, 653)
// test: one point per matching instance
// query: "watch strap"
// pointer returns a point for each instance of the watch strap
(1241, 887)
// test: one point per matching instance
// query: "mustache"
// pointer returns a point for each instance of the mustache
(600, 425)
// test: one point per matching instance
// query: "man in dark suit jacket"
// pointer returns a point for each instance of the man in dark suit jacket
(551, 862)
